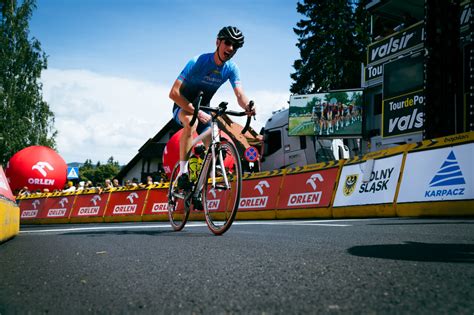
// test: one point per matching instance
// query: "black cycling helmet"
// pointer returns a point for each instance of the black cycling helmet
(233, 34)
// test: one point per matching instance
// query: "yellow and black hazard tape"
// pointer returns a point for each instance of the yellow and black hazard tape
(462, 138)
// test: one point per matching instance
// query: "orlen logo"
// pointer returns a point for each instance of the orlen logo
(86, 211)
(256, 202)
(31, 213)
(213, 204)
(59, 212)
(310, 198)
(42, 168)
(160, 207)
(127, 209)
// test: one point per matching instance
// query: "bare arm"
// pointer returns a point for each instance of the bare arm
(242, 99)
(179, 99)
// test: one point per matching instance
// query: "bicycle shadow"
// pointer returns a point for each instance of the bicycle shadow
(415, 251)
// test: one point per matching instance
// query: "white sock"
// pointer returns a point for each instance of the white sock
(183, 167)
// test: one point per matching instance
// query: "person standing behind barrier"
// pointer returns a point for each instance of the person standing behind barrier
(70, 187)
(116, 183)
(108, 184)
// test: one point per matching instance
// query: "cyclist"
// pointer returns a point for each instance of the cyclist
(205, 73)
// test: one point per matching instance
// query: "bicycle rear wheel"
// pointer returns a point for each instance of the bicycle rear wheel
(178, 204)
(221, 201)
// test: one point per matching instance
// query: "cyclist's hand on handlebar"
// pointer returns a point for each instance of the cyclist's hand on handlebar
(250, 109)
(204, 117)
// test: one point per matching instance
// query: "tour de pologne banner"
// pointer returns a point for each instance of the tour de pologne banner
(380, 189)
(438, 175)
(403, 114)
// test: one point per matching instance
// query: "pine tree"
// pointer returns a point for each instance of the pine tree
(332, 43)
(25, 118)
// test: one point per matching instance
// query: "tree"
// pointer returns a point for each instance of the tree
(25, 119)
(332, 43)
(100, 172)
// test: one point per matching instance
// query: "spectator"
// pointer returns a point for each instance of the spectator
(89, 185)
(149, 181)
(80, 186)
(116, 183)
(24, 192)
(108, 184)
(69, 187)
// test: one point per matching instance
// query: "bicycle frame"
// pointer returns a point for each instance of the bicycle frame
(210, 155)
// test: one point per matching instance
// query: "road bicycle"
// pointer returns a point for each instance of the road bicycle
(217, 188)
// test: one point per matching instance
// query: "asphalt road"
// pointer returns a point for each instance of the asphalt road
(371, 266)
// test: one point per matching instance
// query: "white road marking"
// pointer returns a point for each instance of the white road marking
(165, 225)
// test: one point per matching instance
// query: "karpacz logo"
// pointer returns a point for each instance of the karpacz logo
(256, 202)
(160, 207)
(127, 209)
(41, 168)
(311, 198)
(449, 174)
(378, 181)
(212, 203)
(350, 184)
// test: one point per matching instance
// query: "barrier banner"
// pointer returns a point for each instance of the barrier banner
(438, 175)
(57, 207)
(379, 188)
(308, 190)
(31, 208)
(90, 205)
(157, 202)
(126, 203)
(259, 194)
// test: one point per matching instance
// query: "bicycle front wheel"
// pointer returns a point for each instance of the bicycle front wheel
(222, 187)
(178, 204)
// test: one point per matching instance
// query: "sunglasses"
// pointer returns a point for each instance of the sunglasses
(228, 42)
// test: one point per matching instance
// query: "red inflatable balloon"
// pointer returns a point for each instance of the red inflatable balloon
(171, 152)
(36, 167)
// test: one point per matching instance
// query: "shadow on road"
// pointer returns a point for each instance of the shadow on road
(457, 253)
(426, 223)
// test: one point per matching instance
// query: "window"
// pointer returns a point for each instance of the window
(272, 142)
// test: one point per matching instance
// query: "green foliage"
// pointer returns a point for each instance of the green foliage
(100, 172)
(25, 119)
(332, 42)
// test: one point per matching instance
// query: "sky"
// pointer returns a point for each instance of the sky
(111, 64)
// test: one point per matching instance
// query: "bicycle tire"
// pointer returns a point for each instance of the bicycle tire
(178, 208)
(221, 204)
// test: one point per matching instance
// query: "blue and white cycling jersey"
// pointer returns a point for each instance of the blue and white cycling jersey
(202, 74)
